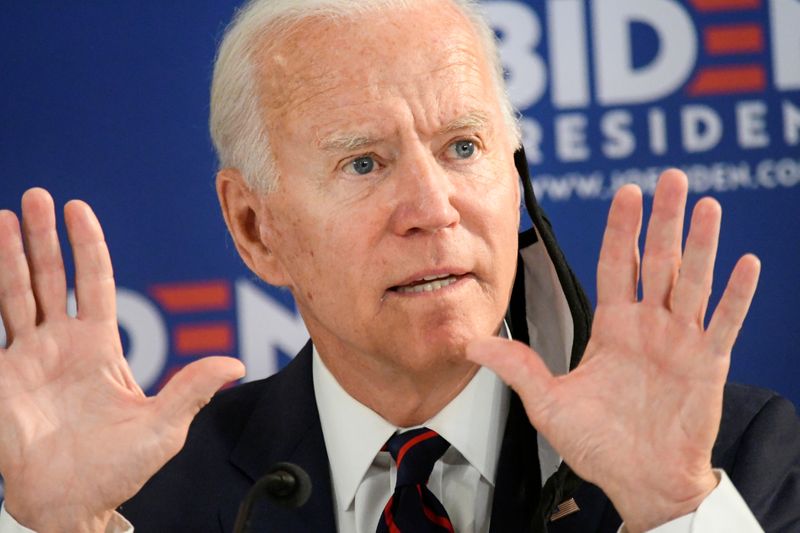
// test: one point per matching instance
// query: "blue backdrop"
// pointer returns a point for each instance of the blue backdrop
(108, 102)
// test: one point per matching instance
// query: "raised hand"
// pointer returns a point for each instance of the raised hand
(640, 414)
(78, 435)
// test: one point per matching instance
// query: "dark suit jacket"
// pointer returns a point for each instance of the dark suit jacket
(243, 431)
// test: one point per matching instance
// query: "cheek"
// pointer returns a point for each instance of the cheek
(295, 243)
(325, 258)
(495, 216)
(496, 200)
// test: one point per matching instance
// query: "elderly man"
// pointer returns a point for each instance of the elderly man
(367, 164)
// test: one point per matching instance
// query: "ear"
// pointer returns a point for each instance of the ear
(245, 214)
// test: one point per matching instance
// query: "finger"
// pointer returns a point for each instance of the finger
(94, 276)
(662, 250)
(517, 365)
(191, 388)
(693, 287)
(618, 266)
(44, 253)
(729, 316)
(17, 303)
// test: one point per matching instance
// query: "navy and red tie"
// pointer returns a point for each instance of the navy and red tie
(413, 508)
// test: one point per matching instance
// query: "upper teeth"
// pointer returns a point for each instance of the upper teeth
(435, 283)
(441, 276)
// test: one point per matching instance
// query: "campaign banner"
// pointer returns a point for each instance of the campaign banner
(109, 103)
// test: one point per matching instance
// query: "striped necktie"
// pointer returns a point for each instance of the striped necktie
(413, 508)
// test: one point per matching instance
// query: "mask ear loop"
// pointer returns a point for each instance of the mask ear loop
(579, 306)
(563, 484)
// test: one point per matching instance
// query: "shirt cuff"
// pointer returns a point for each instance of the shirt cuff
(722, 511)
(117, 524)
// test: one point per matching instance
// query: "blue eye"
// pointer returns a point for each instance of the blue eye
(363, 165)
(464, 149)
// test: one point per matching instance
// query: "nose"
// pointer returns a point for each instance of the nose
(424, 194)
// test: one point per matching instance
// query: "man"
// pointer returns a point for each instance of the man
(367, 155)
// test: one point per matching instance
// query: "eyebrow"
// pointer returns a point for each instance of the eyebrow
(353, 142)
(346, 142)
(473, 120)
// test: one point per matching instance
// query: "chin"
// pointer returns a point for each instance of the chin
(434, 360)
(449, 341)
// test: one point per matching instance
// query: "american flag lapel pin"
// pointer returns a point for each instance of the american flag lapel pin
(565, 508)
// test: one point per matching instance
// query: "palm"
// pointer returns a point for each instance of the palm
(640, 414)
(79, 434)
(665, 404)
(48, 382)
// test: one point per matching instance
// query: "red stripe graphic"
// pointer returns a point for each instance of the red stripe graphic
(725, 5)
(202, 338)
(195, 296)
(407, 446)
(728, 80)
(734, 39)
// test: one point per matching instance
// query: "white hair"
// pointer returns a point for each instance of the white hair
(237, 122)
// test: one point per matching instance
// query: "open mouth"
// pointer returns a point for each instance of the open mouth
(427, 284)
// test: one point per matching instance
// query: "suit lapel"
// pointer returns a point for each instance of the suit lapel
(518, 476)
(292, 434)
(595, 514)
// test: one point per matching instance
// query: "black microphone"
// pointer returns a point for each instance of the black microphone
(285, 485)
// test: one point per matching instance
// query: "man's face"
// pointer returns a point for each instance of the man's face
(395, 167)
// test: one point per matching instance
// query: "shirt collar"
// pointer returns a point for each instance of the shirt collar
(473, 423)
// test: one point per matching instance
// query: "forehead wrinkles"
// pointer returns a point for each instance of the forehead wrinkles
(380, 109)
(360, 125)
(365, 58)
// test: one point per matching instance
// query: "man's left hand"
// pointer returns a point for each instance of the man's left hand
(640, 414)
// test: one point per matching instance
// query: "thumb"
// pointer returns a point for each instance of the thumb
(192, 388)
(516, 364)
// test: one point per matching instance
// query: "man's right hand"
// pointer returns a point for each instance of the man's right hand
(79, 437)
